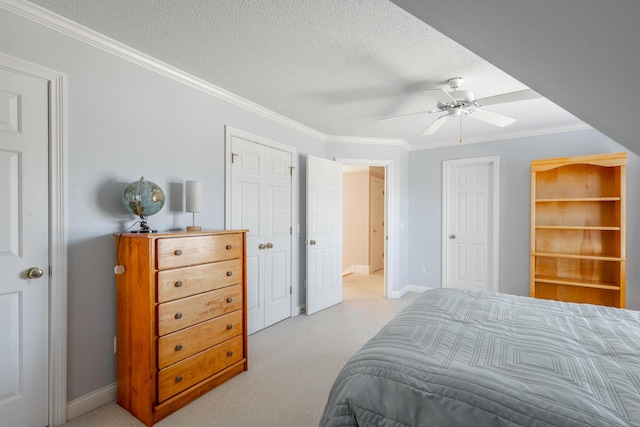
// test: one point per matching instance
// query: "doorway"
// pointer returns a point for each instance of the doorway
(377, 267)
(470, 223)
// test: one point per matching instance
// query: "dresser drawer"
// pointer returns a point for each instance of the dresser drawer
(185, 312)
(185, 251)
(182, 375)
(186, 281)
(179, 345)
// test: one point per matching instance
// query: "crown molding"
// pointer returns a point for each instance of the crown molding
(79, 32)
(501, 137)
(365, 140)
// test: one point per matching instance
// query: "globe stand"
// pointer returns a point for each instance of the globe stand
(144, 228)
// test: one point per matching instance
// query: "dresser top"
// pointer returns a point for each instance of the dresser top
(178, 233)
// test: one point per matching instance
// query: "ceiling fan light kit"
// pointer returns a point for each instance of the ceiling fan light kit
(456, 102)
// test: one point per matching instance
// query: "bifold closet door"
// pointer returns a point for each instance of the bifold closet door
(261, 203)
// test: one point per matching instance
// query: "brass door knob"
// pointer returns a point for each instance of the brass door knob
(34, 273)
(452, 236)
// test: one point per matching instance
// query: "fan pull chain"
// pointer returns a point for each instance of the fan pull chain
(461, 128)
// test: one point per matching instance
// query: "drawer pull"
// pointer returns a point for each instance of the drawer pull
(179, 347)
(229, 247)
(229, 353)
(229, 273)
(229, 326)
(178, 252)
(178, 316)
(229, 300)
(179, 378)
(179, 284)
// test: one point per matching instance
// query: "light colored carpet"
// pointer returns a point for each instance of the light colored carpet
(292, 366)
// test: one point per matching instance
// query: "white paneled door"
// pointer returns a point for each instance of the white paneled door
(324, 233)
(469, 226)
(24, 258)
(261, 181)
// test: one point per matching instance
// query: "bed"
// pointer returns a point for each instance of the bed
(463, 358)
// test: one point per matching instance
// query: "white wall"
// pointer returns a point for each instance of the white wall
(515, 159)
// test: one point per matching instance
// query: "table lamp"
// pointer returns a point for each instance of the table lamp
(193, 197)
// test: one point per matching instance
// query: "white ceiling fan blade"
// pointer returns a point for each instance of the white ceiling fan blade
(439, 95)
(492, 118)
(433, 127)
(408, 114)
(520, 95)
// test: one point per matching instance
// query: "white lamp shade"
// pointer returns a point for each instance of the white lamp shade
(193, 196)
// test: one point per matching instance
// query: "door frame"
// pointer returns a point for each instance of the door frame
(230, 132)
(389, 212)
(57, 241)
(494, 236)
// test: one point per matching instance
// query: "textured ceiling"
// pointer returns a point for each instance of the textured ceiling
(336, 66)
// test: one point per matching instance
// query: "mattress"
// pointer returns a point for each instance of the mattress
(464, 358)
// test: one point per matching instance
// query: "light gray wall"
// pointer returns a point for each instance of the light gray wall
(425, 214)
(125, 121)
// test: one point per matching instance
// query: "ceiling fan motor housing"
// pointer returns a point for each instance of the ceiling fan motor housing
(455, 82)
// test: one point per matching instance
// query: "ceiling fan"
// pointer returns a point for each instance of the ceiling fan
(462, 102)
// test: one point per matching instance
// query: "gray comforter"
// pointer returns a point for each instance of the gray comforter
(463, 358)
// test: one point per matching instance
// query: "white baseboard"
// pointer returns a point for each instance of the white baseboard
(91, 401)
(362, 269)
(356, 269)
(410, 288)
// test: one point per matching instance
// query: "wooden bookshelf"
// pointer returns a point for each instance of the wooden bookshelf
(578, 225)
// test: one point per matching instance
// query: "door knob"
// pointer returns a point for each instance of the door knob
(452, 236)
(269, 245)
(312, 242)
(261, 246)
(34, 273)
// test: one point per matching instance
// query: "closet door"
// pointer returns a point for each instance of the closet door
(261, 203)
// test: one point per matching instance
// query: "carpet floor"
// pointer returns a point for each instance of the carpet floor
(292, 366)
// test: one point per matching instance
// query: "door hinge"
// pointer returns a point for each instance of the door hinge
(291, 168)
(290, 230)
(233, 157)
(50, 271)
(290, 290)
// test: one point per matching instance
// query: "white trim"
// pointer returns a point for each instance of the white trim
(57, 231)
(295, 224)
(390, 260)
(503, 136)
(494, 163)
(79, 32)
(356, 269)
(411, 288)
(90, 401)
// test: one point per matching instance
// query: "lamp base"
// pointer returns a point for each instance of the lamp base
(194, 228)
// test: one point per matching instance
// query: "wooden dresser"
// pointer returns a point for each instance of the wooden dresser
(181, 318)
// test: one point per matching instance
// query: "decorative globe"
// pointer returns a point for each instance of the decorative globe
(143, 198)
